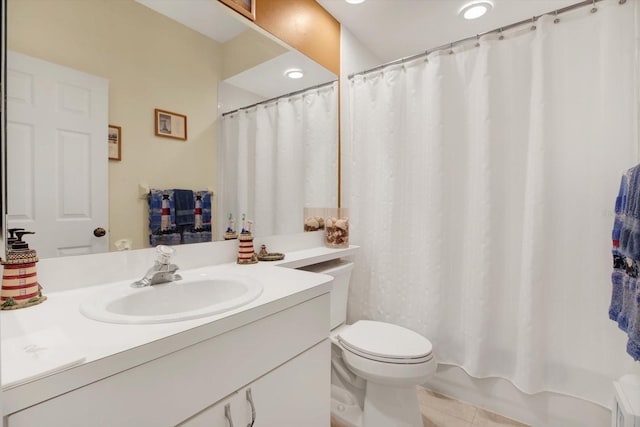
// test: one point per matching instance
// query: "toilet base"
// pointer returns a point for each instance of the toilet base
(386, 406)
(344, 408)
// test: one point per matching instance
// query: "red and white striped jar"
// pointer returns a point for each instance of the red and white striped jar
(20, 284)
(246, 253)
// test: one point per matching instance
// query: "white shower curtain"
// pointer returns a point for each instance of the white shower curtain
(277, 158)
(482, 191)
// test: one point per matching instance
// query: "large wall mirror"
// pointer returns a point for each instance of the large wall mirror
(82, 72)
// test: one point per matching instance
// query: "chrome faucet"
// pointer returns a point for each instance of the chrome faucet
(162, 271)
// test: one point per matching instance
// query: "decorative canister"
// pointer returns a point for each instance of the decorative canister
(314, 219)
(246, 253)
(20, 287)
(336, 228)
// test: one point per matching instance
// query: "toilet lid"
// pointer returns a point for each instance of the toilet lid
(385, 342)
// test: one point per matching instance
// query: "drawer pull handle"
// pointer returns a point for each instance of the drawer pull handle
(253, 408)
(227, 414)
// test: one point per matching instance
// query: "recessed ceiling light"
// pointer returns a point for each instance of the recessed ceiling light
(294, 73)
(355, 1)
(475, 9)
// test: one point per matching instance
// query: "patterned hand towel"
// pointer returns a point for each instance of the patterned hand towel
(162, 219)
(618, 275)
(625, 294)
(201, 231)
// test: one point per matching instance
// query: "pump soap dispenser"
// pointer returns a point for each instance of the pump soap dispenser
(20, 287)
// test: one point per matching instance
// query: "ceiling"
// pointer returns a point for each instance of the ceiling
(202, 16)
(393, 29)
(256, 79)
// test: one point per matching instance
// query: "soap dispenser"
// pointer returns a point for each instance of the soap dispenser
(20, 287)
(12, 236)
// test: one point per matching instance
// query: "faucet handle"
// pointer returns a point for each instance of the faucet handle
(164, 254)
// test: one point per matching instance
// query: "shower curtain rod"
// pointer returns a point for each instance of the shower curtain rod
(279, 97)
(477, 36)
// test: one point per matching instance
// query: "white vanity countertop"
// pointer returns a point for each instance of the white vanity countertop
(311, 256)
(111, 348)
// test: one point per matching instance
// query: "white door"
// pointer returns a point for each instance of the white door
(57, 156)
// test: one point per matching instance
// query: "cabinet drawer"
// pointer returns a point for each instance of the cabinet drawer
(172, 388)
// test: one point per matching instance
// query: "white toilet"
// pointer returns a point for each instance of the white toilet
(375, 365)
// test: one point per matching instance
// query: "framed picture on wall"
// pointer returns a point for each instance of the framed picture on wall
(245, 7)
(115, 142)
(171, 125)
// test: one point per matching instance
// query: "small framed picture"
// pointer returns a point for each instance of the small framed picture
(171, 125)
(245, 7)
(115, 142)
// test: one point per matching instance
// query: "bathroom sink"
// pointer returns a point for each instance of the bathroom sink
(185, 299)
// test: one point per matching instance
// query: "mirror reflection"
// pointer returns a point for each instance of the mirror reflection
(119, 62)
(279, 156)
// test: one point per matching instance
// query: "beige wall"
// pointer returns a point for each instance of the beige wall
(151, 62)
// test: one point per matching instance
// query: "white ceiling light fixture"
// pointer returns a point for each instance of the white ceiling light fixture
(294, 73)
(355, 1)
(475, 9)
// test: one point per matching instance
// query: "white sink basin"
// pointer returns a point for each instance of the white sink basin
(184, 299)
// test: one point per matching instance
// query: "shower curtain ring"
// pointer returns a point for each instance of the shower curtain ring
(451, 49)
(622, 1)
(477, 40)
(594, 9)
(557, 20)
(501, 35)
(533, 23)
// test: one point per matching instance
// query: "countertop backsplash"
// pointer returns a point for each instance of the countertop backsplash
(65, 273)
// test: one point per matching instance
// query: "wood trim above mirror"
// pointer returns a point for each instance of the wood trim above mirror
(305, 26)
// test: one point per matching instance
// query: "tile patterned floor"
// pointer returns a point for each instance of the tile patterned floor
(441, 411)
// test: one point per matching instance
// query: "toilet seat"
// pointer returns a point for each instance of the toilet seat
(385, 342)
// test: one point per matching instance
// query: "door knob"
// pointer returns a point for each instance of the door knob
(99, 232)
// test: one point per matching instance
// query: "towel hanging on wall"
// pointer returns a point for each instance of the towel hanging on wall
(174, 222)
(185, 204)
(625, 293)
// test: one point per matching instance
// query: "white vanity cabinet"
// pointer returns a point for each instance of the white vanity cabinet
(284, 358)
(294, 394)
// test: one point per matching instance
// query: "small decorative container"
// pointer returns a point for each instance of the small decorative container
(230, 232)
(265, 255)
(246, 253)
(314, 219)
(336, 228)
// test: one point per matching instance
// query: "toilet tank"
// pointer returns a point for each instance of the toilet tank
(341, 272)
